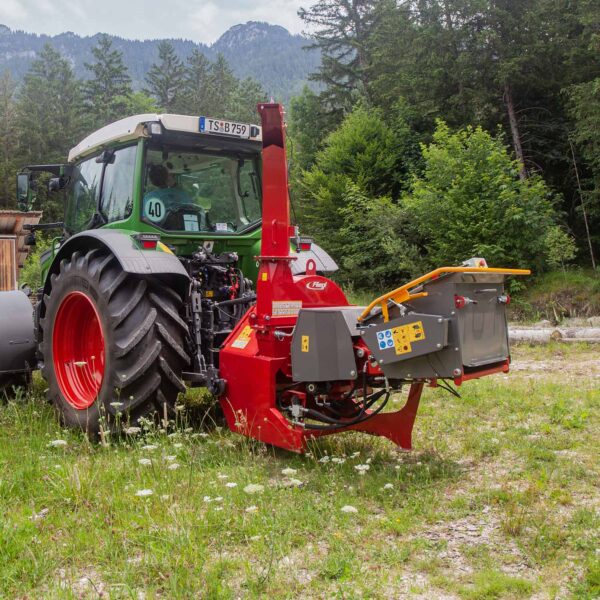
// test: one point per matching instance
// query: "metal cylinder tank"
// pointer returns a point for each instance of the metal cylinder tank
(17, 339)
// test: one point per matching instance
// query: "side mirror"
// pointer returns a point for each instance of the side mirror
(23, 191)
(56, 184)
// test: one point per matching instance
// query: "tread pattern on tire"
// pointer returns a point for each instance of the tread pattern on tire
(144, 336)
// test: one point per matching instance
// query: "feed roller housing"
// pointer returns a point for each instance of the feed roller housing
(457, 329)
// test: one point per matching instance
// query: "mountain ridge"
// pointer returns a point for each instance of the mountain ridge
(268, 53)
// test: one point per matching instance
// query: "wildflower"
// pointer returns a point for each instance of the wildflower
(362, 469)
(252, 509)
(165, 497)
(222, 476)
(219, 499)
(388, 486)
(324, 459)
(178, 445)
(254, 488)
(207, 499)
(287, 472)
(144, 493)
(218, 508)
(188, 430)
(179, 407)
(132, 430)
(57, 443)
(292, 483)
(170, 458)
(173, 435)
(145, 462)
(338, 460)
(368, 461)
(355, 455)
(173, 466)
(149, 447)
(348, 509)
(116, 404)
(231, 484)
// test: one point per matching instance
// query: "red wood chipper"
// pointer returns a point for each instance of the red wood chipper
(303, 362)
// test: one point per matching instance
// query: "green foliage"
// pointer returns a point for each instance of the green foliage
(166, 79)
(469, 201)
(490, 585)
(560, 248)
(107, 91)
(9, 140)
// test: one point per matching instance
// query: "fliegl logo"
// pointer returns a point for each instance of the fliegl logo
(316, 286)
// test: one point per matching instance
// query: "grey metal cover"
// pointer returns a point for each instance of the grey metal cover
(17, 340)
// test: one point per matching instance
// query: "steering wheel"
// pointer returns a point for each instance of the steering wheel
(181, 208)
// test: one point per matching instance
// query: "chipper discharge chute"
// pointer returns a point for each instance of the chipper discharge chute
(303, 362)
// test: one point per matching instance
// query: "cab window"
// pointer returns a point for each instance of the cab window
(117, 187)
(82, 198)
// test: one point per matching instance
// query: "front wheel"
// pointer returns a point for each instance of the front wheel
(112, 342)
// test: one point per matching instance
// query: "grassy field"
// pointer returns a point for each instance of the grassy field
(499, 499)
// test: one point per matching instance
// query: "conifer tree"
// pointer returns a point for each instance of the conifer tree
(8, 139)
(105, 93)
(166, 79)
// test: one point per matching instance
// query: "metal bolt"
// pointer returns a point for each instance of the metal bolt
(438, 345)
(360, 352)
(381, 361)
(453, 312)
(456, 372)
(267, 317)
(456, 349)
(353, 373)
(440, 320)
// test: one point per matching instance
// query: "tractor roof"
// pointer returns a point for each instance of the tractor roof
(135, 127)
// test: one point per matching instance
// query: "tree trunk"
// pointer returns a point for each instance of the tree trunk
(514, 129)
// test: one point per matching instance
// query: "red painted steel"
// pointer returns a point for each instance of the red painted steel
(255, 359)
(78, 350)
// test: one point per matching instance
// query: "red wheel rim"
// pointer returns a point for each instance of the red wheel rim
(78, 350)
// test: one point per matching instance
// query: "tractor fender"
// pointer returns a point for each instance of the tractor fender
(324, 263)
(17, 335)
(130, 257)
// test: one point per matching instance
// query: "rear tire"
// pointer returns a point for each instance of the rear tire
(112, 342)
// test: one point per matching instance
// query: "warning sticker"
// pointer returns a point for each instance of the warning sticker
(243, 339)
(305, 343)
(401, 338)
(289, 308)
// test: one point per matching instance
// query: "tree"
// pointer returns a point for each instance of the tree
(222, 83)
(470, 201)
(106, 91)
(9, 140)
(246, 94)
(166, 79)
(196, 97)
(341, 32)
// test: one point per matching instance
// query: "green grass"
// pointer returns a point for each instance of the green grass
(499, 499)
(558, 294)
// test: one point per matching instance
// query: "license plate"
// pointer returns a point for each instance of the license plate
(241, 130)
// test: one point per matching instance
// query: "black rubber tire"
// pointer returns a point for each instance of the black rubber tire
(144, 341)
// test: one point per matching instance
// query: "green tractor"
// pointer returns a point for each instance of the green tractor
(153, 267)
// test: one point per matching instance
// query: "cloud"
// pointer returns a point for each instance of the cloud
(199, 20)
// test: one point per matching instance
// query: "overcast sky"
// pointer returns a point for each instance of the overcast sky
(198, 20)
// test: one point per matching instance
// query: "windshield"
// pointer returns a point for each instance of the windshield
(192, 191)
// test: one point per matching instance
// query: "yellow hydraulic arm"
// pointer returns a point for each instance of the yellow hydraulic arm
(403, 293)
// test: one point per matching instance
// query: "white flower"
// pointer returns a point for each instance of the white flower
(368, 461)
(173, 466)
(348, 509)
(362, 469)
(179, 407)
(188, 430)
(178, 445)
(132, 430)
(254, 488)
(144, 493)
(203, 435)
(231, 484)
(170, 458)
(149, 447)
(145, 462)
(252, 509)
(324, 459)
(219, 499)
(337, 460)
(207, 499)
(292, 483)
(57, 443)
(218, 508)
(388, 486)
(288, 472)
(165, 497)
(222, 476)
(116, 404)
(355, 455)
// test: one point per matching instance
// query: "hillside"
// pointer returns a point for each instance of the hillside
(268, 53)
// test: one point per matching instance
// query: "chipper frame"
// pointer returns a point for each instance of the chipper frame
(303, 362)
